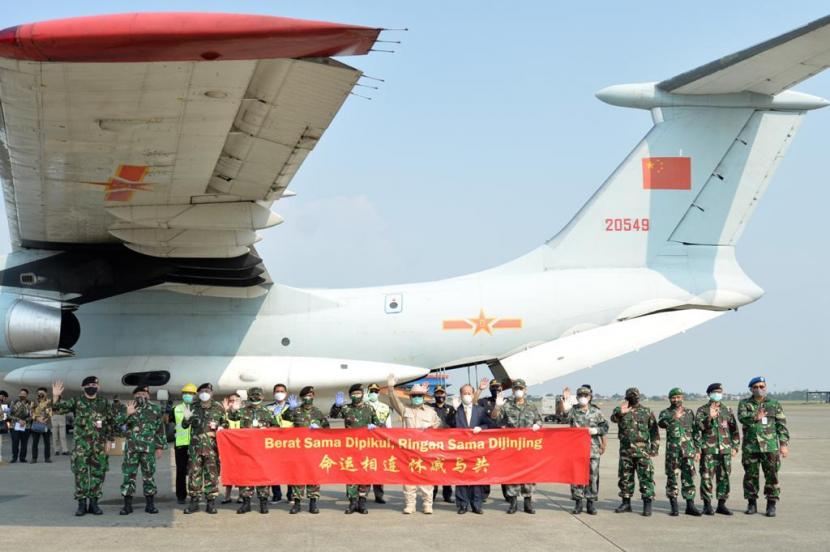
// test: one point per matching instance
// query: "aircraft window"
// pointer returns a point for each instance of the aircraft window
(285, 342)
(153, 379)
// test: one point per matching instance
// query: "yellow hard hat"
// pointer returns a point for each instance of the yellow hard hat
(189, 388)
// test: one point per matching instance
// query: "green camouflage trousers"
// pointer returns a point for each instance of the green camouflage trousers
(645, 473)
(525, 490)
(356, 491)
(89, 464)
(310, 491)
(203, 475)
(591, 490)
(133, 460)
(262, 491)
(770, 463)
(686, 466)
(715, 466)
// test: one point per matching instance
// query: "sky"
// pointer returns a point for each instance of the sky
(485, 138)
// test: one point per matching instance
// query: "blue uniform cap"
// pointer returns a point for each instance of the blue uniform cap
(757, 379)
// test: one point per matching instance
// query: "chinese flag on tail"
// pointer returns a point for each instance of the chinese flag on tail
(667, 173)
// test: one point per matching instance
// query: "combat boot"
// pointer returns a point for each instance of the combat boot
(590, 508)
(295, 508)
(93, 507)
(361, 505)
(674, 510)
(646, 507)
(625, 506)
(128, 506)
(149, 505)
(210, 507)
(312, 506)
(352, 507)
(771, 508)
(514, 504)
(263, 505)
(577, 506)
(722, 509)
(246, 505)
(707, 507)
(751, 507)
(81, 508)
(691, 510)
(193, 506)
(529, 506)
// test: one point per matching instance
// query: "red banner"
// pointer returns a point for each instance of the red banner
(403, 456)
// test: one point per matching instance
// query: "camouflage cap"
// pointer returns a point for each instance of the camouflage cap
(675, 391)
(519, 383)
(632, 391)
(374, 387)
(583, 391)
(255, 393)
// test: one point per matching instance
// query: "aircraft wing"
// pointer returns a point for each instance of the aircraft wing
(766, 68)
(172, 133)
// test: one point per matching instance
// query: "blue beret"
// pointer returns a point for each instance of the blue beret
(757, 379)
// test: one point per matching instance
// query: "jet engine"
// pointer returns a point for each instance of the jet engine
(35, 328)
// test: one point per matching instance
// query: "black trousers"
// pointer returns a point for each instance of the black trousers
(446, 491)
(20, 444)
(378, 490)
(469, 495)
(181, 472)
(47, 444)
(276, 492)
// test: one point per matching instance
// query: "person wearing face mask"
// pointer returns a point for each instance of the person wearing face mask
(95, 423)
(145, 441)
(358, 413)
(234, 401)
(307, 415)
(42, 426)
(384, 414)
(182, 446)
(766, 441)
(204, 419)
(639, 443)
(719, 442)
(5, 409)
(517, 411)
(20, 420)
(682, 451)
(585, 414)
(471, 416)
(447, 414)
(488, 404)
(281, 410)
(258, 416)
(415, 416)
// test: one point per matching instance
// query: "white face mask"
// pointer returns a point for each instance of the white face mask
(583, 401)
(519, 393)
(280, 396)
(204, 396)
(467, 399)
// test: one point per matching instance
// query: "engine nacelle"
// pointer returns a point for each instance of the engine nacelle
(36, 328)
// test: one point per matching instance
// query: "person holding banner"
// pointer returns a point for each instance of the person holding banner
(307, 415)
(416, 416)
(384, 414)
(470, 416)
(282, 415)
(585, 414)
(204, 420)
(518, 412)
(447, 414)
(355, 415)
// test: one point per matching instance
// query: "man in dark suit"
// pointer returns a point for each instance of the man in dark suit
(470, 416)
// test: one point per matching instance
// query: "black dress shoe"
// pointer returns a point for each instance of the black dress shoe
(477, 510)
(462, 509)
(380, 500)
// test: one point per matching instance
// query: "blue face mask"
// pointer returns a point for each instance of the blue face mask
(187, 398)
(716, 396)
(417, 400)
(373, 397)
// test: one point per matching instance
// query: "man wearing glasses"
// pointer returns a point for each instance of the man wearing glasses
(766, 441)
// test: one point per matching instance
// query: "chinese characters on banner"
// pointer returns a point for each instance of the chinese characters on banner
(403, 456)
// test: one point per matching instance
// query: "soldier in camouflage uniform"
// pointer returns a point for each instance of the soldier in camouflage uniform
(585, 414)
(307, 415)
(639, 443)
(355, 415)
(204, 419)
(682, 450)
(766, 441)
(254, 415)
(95, 423)
(384, 414)
(488, 404)
(719, 442)
(518, 412)
(447, 414)
(145, 439)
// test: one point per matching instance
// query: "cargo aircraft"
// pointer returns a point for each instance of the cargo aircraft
(141, 153)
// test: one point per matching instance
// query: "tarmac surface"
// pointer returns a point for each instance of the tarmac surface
(36, 507)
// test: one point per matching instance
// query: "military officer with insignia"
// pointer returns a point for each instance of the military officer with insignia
(585, 414)
(145, 439)
(488, 404)
(447, 414)
(282, 416)
(766, 441)
(719, 442)
(204, 419)
(682, 451)
(307, 415)
(384, 414)
(639, 443)
(358, 413)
